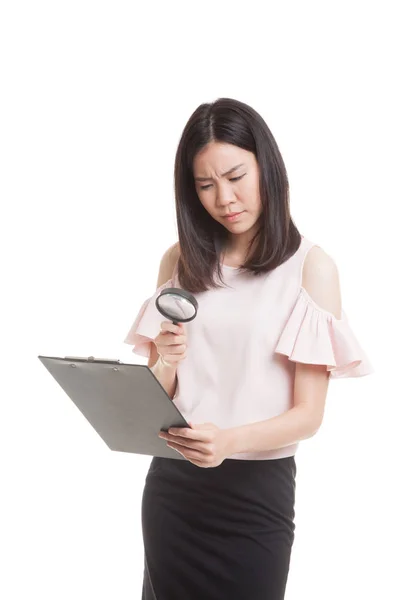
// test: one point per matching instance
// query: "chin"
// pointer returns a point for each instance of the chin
(240, 226)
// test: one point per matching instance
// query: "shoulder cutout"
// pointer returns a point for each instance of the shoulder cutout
(320, 279)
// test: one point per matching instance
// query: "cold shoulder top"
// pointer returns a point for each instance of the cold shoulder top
(243, 345)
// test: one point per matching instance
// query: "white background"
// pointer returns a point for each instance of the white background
(94, 98)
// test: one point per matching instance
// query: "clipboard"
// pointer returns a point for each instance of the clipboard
(125, 403)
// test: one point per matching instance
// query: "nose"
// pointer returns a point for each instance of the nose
(225, 195)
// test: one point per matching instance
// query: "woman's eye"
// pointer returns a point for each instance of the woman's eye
(205, 187)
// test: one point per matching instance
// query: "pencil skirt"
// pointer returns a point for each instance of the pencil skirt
(222, 533)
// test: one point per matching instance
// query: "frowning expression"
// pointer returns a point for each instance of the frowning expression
(227, 184)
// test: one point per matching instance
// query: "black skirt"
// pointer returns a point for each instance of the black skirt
(218, 533)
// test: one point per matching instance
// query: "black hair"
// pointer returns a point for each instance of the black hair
(201, 238)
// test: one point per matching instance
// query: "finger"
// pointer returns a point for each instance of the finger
(183, 441)
(165, 344)
(170, 339)
(192, 434)
(188, 453)
(168, 326)
(204, 449)
(174, 349)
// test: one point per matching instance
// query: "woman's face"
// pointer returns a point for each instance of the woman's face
(227, 182)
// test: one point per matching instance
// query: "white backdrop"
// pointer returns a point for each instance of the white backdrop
(94, 98)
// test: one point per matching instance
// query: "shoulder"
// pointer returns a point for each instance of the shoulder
(171, 255)
(168, 263)
(320, 278)
(319, 264)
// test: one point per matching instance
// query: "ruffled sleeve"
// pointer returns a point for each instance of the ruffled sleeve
(146, 325)
(315, 336)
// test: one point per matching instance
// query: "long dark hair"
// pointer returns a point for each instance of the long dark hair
(201, 238)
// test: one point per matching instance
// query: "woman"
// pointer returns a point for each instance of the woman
(250, 373)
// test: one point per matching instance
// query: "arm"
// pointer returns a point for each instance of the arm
(302, 421)
(166, 375)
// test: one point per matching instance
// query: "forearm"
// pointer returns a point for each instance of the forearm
(166, 375)
(288, 428)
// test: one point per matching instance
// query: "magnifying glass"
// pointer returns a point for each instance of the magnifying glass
(177, 304)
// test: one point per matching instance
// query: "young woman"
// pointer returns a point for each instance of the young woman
(250, 373)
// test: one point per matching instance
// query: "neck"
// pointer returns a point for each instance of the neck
(238, 246)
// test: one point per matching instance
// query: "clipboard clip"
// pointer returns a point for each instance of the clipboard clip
(114, 361)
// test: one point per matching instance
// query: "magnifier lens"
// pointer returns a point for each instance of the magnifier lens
(176, 307)
(177, 304)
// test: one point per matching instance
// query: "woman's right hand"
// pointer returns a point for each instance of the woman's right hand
(171, 343)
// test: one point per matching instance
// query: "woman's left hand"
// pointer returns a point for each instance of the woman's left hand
(204, 445)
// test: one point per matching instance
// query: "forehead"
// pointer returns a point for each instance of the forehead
(220, 157)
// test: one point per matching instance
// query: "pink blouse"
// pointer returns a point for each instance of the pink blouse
(243, 345)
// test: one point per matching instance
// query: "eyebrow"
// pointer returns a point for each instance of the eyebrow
(223, 174)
